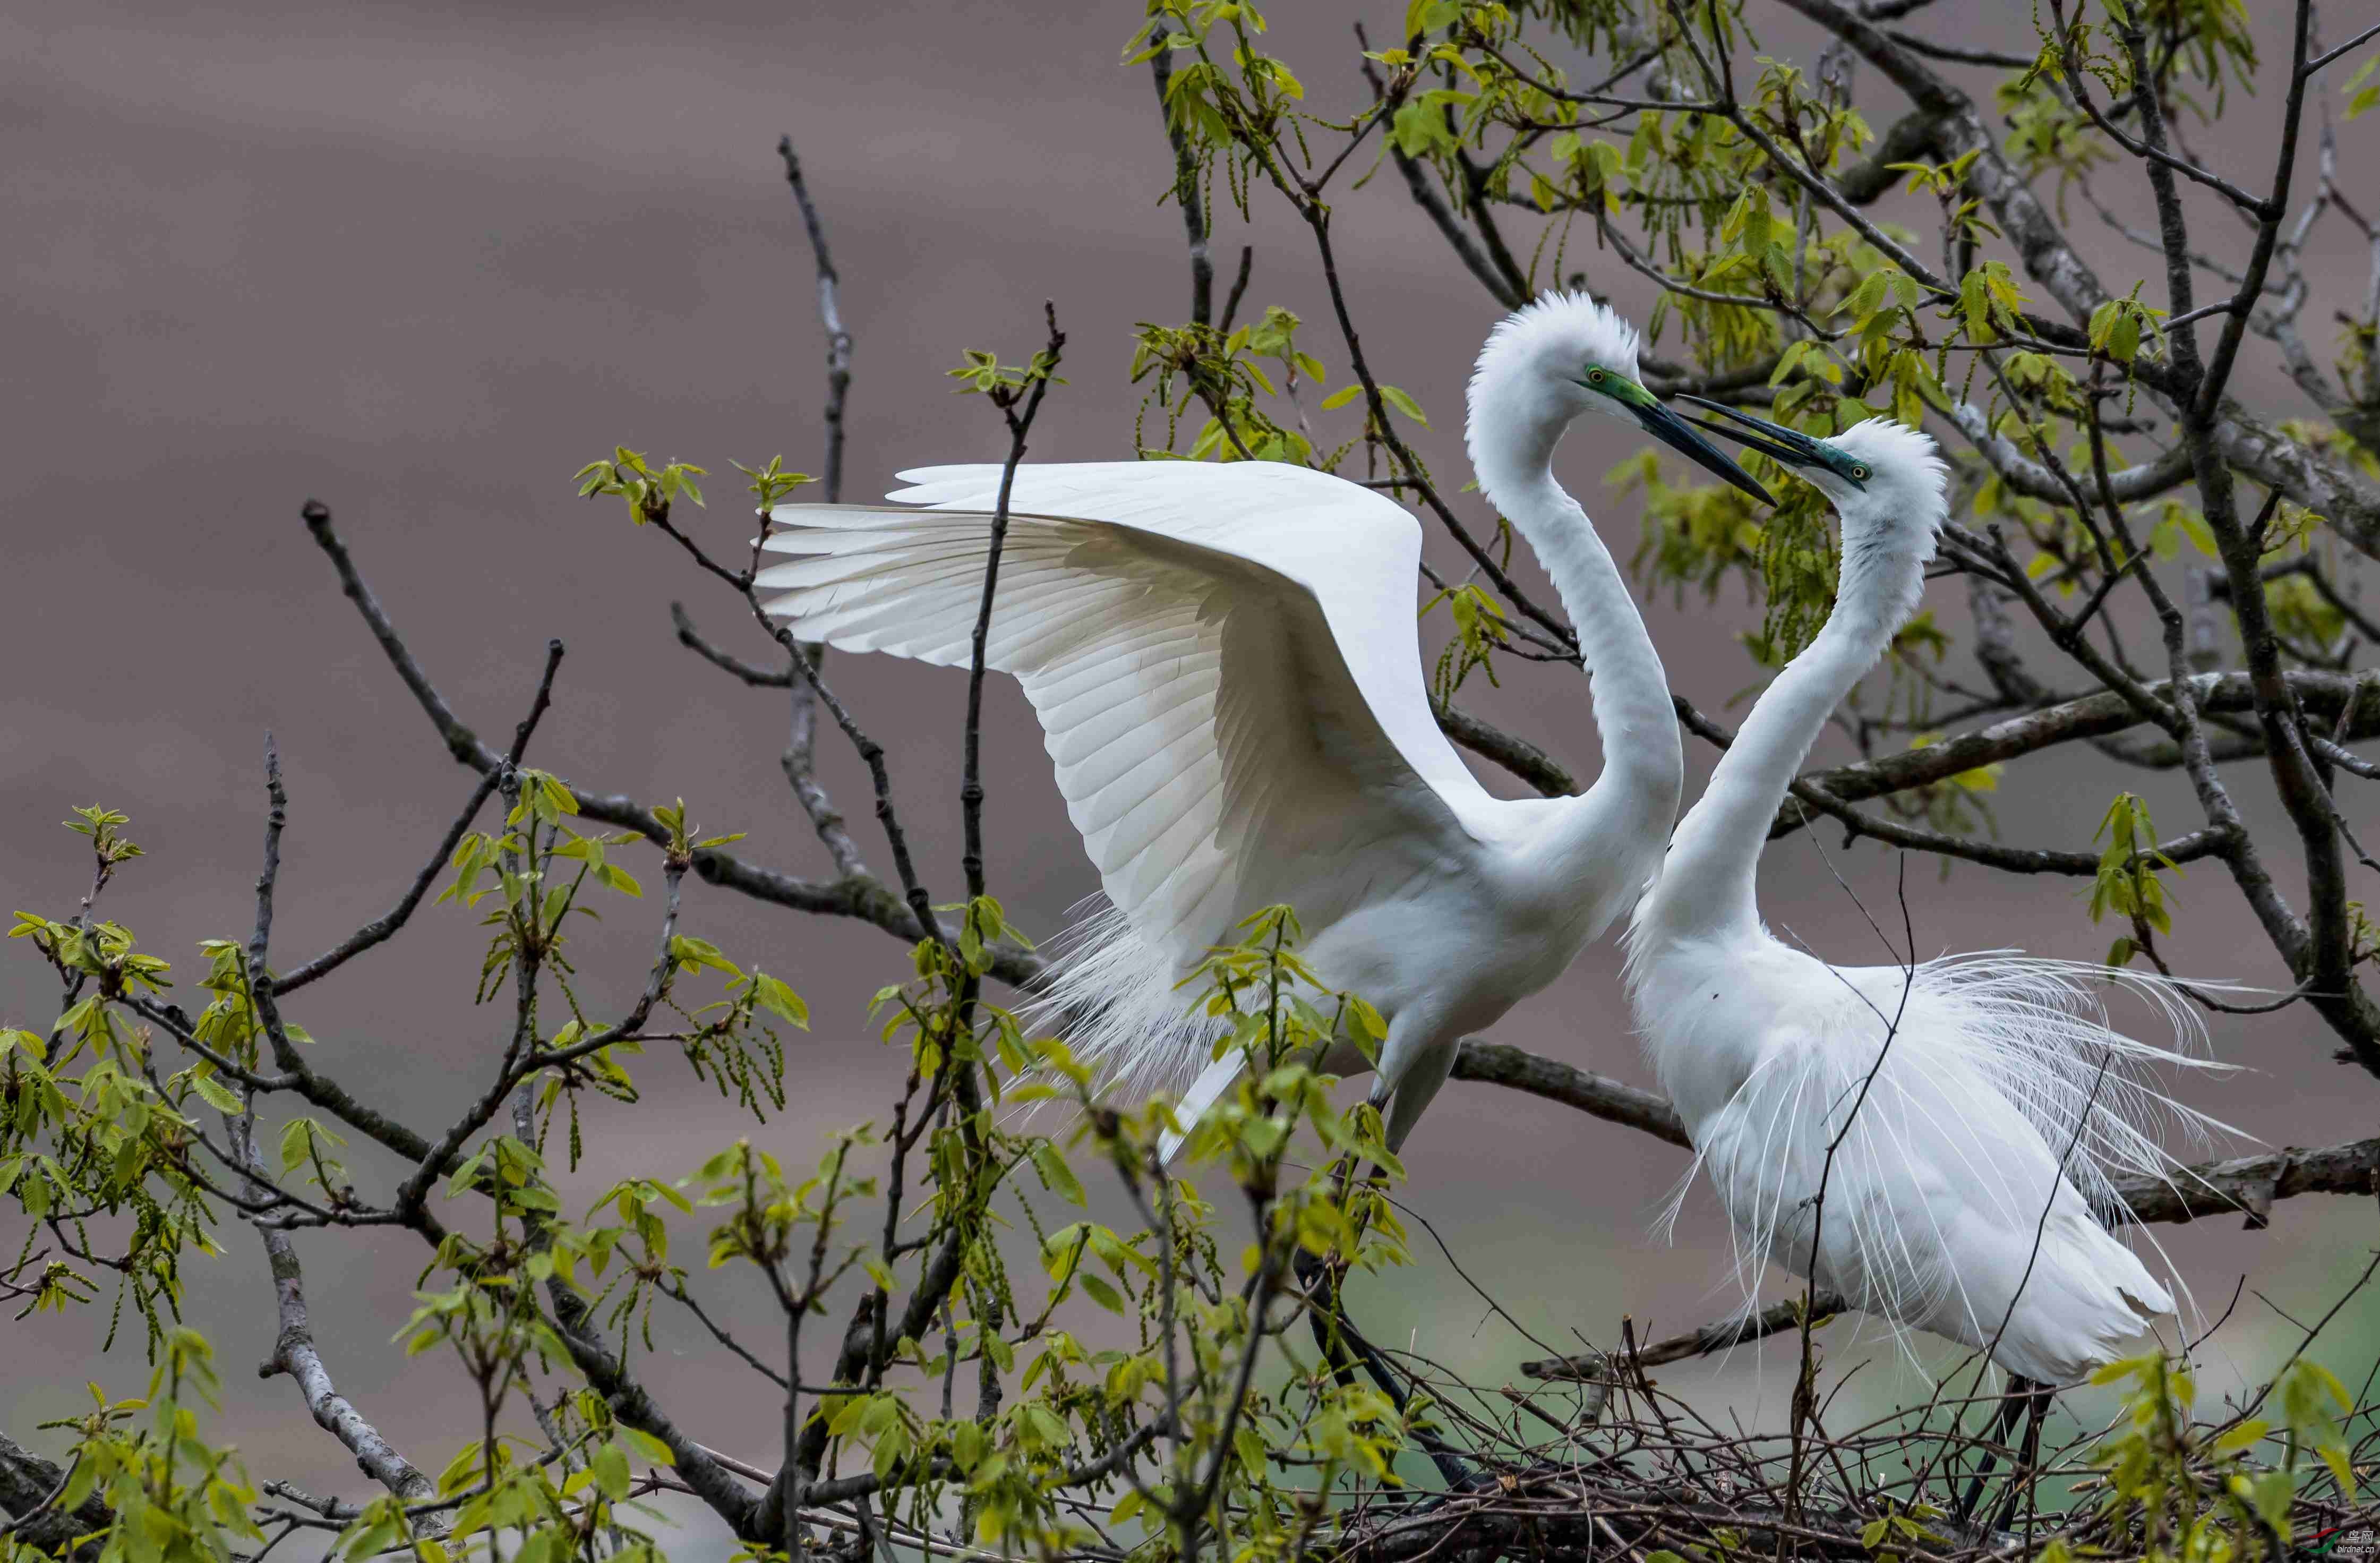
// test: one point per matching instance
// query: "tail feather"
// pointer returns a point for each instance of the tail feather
(2083, 1307)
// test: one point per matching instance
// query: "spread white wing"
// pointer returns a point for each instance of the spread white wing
(1224, 659)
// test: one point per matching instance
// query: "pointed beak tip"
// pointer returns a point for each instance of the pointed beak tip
(1738, 478)
(1679, 434)
(1745, 482)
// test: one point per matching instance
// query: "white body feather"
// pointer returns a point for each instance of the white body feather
(1987, 1100)
(1226, 665)
(1989, 1124)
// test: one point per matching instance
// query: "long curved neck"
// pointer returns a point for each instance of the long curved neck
(1644, 758)
(1708, 882)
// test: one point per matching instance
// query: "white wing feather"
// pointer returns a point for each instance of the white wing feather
(1226, 665)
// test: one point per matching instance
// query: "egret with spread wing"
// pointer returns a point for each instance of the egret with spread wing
(1928, 1139)
(1226, 665)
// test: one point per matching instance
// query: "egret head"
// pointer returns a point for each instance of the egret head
(1564, 356)
(1885, 477)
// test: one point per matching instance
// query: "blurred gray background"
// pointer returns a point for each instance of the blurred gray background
(423, 265)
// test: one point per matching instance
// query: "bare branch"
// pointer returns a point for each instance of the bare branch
(2034, 480)
(1727, 1334)
(2310, 67)
(1020, 428)
(863, 898)
(29, 1484)
(1518, 755)
(2335, 695)
(829, 310)
(2351, 703)
(728, 662)
(2078, 87)
(1239, 288)
(1502, 281)
(386, 925)
(294, 1352)
(1957, 55)
(1494, 1063)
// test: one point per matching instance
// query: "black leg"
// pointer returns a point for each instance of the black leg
(2012, 1406)
(1325, 1318)
(1344, 1347)
(2036, 1412)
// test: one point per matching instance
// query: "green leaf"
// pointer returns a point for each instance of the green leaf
(202, 1080)
(779, 1000)
(1051, 1163)
(1425, 17)
(610, 1463)
(2360, 97)
(1403, 404)
(2124, 341)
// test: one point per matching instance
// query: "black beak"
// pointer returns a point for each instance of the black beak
(1773, 440)
(1682, 438)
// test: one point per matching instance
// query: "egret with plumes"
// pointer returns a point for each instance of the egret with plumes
(1929, 1140)
(1225, 662)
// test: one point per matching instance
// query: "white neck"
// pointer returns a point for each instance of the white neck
(1644, 759)
(1707, 884)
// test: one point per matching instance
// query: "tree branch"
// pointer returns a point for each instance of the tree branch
(799, 761)
(2034, 480)
(1186, 194)
(1496, 1063)
(728, 662)
(294, 1352)
(860, 896)
(1727, 1334)
(386, 925)
(28, 1486)
(1955, 128)
(2334, 695)
(1020, 428)
(829, 310)
(1518, 755)
(2351, 703)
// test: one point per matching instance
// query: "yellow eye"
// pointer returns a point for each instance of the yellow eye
(1594, 375)
(1860, 472)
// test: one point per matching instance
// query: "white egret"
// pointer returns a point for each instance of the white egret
(1918, 1138)
(1226, 665)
